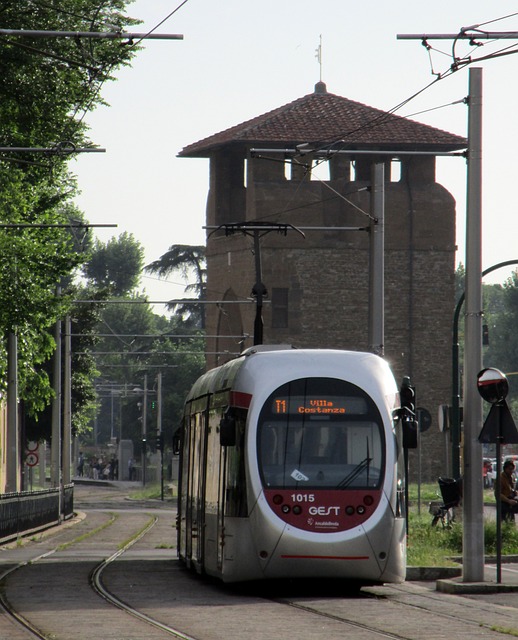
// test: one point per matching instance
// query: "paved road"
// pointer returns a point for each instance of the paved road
(54, 592)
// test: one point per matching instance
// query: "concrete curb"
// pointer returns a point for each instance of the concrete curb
(456, 586)
(428, 574)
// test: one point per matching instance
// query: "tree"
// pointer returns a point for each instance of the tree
(137, 343)
(116, 265)
(501, 315)
(185, 259)
(46, 85)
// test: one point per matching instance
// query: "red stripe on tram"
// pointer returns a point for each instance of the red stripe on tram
(325, 557)
(240, 399)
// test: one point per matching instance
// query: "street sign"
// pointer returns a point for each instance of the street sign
(424, 419)
(499, 426)
(32, 459)
(492, 385)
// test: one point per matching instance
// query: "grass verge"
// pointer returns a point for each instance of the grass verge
(149, 492)
(429, 546)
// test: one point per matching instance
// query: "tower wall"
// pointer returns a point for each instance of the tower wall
(318, 286)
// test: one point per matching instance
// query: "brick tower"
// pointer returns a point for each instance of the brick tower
(317, 286)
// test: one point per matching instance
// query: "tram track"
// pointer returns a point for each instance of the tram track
(19, 621)
(98, 586)
(354, 625)
(149, 594)
(391, 605)
(23, 626)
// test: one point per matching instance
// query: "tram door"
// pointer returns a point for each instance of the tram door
(221, 507)
(195, 515)
(214, 488)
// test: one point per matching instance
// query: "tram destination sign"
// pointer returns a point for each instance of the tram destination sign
(319, 405)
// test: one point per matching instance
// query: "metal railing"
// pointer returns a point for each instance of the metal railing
(30, 511)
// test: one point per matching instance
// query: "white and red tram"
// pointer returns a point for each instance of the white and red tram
(289, 468)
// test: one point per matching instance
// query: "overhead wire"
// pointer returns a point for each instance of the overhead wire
(381, 118)
(99, 74)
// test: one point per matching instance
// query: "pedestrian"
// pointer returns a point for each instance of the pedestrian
(508, 497)
(131, 469)
(80, 465)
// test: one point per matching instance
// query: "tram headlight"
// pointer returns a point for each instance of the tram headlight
(285, 508)
(349, 510)
(360, 509)
(368, 501)
(297, 510)
(277, 499)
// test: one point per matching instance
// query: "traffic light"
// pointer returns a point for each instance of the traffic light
(153, 405)
(160, 442)
(408, 415)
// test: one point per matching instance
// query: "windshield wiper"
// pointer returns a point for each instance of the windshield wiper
(361, 466)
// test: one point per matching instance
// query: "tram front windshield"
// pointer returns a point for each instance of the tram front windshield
(320, 433)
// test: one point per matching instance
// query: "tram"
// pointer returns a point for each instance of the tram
(289, 468)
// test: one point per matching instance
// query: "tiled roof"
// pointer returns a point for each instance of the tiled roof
(324, 118)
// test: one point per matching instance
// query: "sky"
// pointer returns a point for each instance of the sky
(240, 58)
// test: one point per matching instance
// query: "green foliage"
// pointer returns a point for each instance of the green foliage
(509, 538)
(116, 265)
(46, 86)
(429, 546)
(437, 546)
(501, 316)
(500, 305)
(460, 275)
(185, 259)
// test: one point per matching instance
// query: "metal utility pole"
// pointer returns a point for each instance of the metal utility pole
(55, 450)
(159, 434)
(473, 531)
(90, 35)
(13, 436)
(67, 404)
(455, 378)
(259, 291)
(256, 230)
(377, 261)
(473, 505)
(144, 431)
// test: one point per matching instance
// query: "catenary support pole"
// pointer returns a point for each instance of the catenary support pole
(55, 447)
(259, 291)
(473, 532)
(377, 261)
(13, 438)
(67, 405)
(144, 432)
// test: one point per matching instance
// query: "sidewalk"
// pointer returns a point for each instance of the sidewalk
(507, 584)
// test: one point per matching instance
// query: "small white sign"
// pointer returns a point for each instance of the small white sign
(299, 476)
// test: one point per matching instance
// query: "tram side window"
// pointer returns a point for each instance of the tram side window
(235, 494)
